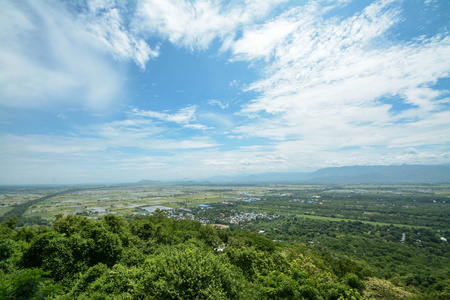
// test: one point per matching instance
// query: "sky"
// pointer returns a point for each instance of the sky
(120, 91)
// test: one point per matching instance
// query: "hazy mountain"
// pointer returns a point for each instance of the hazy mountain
(352, 174)
(149, 182)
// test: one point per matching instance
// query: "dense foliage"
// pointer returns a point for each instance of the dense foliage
(395, 235)
(292, 242)
(155, 257)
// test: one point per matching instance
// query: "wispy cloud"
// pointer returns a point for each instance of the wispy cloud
(336, 85)
(53, 53)
(183, 117)
(106, 151)
(221, 104)
(124, 132)
(106, 27)
(326, 79)
(195, 24)
(142, 134)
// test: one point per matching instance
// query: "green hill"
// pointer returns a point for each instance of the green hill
(155, 257)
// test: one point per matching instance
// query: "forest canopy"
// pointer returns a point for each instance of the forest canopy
(156, 257)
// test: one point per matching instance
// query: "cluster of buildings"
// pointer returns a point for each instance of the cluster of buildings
(184, 216)
(302, 201)
(237, 218)
(246, 217)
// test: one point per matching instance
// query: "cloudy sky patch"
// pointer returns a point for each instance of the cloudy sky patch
(113, 91)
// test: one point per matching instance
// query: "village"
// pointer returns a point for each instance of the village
(238, 218)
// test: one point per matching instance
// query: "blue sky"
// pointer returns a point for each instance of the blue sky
(119, 91)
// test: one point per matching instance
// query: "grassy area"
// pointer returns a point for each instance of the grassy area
(4, 210)
(350, 220)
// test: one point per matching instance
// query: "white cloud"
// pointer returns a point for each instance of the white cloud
(196, 126)
(183, 117)
(233, 83)
(125, 132)
(321, 96)
(141, 134)
(245, 162)
(219, 103)
(112, 151)
(52, 55)
(214, 162)
(195, 24)
(260, 41)
(106, 28)
(277, 158)
(94, 139)
(325, 82)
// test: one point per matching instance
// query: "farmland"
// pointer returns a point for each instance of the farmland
(410, 206)
(397, 232)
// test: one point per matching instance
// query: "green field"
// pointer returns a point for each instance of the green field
(4, 210)
(347, 220)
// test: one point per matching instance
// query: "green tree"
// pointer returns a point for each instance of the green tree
(52, 252)
(187, 271)
(384, 290)
(11, 223)
(28, 284)
(102, 246)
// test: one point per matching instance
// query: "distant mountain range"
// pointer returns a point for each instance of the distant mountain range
(399, 174)
(353, 174)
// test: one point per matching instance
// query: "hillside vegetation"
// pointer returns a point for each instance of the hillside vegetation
(155, 257)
